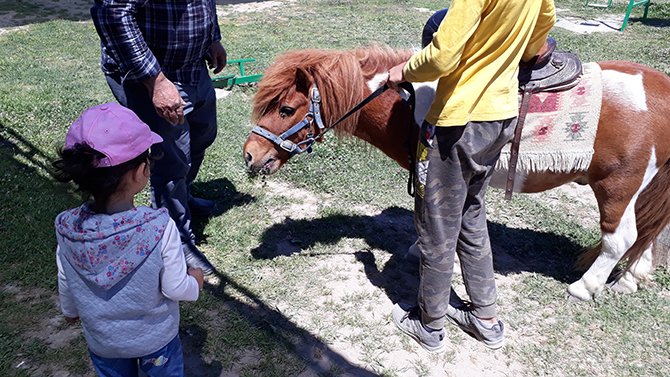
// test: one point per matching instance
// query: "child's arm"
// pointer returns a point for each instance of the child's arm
(545, 21)
(67, 305)
(176, 284)
(443, 55)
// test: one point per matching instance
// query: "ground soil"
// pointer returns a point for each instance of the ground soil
(467, 355)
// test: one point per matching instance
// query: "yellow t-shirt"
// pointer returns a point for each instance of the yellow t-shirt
(475, 54)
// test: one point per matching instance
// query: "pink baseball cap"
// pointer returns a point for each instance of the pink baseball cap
(112, 130)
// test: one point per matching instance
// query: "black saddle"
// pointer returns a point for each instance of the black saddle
(552, 71)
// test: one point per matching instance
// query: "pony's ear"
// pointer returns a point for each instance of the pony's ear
(302, 80)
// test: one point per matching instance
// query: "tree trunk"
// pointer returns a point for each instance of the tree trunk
(662, 249)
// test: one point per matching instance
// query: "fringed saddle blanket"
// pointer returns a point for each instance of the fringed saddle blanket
(560, 127)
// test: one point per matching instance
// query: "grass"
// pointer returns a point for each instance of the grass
(311, 258)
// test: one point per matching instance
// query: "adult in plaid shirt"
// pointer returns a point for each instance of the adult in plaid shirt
(154, 57)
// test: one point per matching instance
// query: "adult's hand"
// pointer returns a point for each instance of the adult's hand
(217, 57)
(166, 99)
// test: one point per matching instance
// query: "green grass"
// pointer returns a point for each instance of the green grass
(282, 307)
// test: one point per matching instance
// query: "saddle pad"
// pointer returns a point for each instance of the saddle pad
(560, 127)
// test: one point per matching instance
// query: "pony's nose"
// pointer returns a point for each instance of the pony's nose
(248, 158)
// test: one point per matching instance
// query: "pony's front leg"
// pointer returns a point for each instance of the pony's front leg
(638, 271)
(614, 246)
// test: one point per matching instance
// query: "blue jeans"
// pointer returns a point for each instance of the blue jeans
(167, 361)
(183, 146)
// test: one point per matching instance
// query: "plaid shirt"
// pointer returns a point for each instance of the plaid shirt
(140, 38)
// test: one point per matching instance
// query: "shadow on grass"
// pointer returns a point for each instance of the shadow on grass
(226, 196)
(653, 22)
(29, 201)
(193, 338)
(318, 357)
(24, 12)
(514, 250)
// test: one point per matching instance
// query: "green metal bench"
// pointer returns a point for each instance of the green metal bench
(631, 5)
(227, 81)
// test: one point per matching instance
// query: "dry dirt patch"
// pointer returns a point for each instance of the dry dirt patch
(229, 7)
(349, 298)
(49, 327)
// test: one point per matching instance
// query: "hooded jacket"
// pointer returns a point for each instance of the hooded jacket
(122, 275)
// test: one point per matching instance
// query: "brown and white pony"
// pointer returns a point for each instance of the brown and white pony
(629, 171)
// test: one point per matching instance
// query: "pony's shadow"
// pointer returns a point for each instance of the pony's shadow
(514, 250)
(223, 192)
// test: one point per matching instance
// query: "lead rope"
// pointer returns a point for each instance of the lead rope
(411, 102)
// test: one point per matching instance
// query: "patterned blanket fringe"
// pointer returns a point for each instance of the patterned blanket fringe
(542, 162)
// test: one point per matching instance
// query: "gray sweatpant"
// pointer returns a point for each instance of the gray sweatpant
(454, 166)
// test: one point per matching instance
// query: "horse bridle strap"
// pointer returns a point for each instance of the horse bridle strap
(313, 115)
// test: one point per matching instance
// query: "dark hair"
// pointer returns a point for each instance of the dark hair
(431, 26)
(78, 164)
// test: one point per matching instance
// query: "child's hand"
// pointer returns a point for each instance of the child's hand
(71, 320)
(198, 275)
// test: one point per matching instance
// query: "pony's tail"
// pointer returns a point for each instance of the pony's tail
(652, 214)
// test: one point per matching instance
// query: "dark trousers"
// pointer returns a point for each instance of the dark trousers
(183, 147)
(166, 362)
(454, 167)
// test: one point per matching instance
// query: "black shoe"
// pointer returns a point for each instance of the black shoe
(201, 207)
(196, 259)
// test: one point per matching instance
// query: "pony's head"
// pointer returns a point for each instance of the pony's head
(285, 97)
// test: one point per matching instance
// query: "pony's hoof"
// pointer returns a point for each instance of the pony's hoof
(626, 284)
(578, 291)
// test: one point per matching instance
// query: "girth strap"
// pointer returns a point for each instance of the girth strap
(514, 150)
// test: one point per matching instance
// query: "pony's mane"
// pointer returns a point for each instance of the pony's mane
(340, 75)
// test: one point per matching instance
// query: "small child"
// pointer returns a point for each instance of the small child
(121, 269)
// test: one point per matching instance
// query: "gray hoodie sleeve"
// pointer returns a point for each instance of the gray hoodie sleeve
(176, 284)
(67, 305)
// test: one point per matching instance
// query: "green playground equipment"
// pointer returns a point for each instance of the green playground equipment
(631, 5)
(227, 81)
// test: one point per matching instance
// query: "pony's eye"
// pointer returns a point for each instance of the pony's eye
(286, 111)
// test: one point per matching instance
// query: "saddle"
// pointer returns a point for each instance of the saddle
(549, 71)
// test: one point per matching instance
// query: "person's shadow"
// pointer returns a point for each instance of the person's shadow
(514, 250)
(224, 194)
(319, 358)
(193, 339)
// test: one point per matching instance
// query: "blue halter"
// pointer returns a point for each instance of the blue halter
(313, 115)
